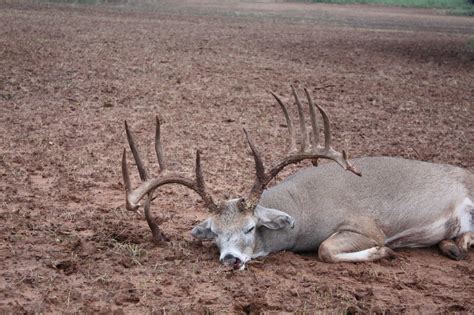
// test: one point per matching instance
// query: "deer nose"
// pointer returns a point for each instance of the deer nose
(230, 259)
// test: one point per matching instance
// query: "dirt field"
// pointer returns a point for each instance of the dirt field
(395, 82)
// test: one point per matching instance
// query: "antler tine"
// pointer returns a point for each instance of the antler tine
(127, 182)
(201, 186)
(158, 149)
(141, 168)
(126, 176)
(128, 186)
(260, 181)
(291, 130)
(143, 176)
(259, 167)
(314, 122)
(301, 118)
(199, 178)
(327, 128)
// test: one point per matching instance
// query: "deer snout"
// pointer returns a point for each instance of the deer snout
(231, 260)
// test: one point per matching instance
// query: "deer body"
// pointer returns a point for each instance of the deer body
(397, 203)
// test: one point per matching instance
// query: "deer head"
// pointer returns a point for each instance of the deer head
(234, 224)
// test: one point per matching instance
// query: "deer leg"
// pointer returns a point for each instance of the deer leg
(348, 246)
(457, 249)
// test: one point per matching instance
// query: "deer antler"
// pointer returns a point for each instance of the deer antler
(149, 185)
(305, 152)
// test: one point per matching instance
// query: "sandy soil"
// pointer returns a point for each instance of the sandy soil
(394, 81)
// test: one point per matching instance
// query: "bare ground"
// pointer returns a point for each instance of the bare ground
(395, 82)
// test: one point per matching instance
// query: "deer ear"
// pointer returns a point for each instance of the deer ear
(203, 230)
(273, 219)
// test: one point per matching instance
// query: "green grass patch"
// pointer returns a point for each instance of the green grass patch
(455, 5)
(463, 11)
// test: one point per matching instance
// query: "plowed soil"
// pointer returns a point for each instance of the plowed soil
(394, 81)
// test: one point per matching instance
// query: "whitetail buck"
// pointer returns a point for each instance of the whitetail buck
(396, 203)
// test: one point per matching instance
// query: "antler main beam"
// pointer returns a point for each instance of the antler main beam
(306, 152)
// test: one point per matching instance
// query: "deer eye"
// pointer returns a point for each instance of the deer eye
(250, 229)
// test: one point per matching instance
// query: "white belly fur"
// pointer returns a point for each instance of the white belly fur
(437, 231)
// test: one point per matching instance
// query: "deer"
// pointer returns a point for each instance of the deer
(378, 205)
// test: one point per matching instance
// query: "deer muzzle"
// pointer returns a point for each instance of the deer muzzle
(231, 260)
